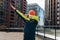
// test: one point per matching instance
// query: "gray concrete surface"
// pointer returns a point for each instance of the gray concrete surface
(13, 36)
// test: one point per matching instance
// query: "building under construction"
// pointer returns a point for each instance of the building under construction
(8, 17)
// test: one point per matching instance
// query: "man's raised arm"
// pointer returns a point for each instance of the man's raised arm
(20, 14)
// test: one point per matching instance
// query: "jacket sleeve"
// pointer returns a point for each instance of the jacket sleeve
(22, 15)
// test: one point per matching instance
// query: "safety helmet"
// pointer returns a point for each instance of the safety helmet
(31, 13)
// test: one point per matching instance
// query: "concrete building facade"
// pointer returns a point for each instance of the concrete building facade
(52, 12)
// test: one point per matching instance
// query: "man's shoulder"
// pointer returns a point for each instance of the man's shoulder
(34, 18)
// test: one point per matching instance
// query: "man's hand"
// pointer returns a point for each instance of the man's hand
(13, 7)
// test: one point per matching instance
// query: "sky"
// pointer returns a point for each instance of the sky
(41, 3)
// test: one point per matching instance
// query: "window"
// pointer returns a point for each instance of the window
(1, 13)
(58, 13)
(58, 4)
(12, 15)
(57, 9)
(12, 18)
(12, 11)
(12, 1)
(1, 20)
(58, 22)
(58, 18)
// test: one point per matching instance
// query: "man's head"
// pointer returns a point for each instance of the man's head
(31, 13)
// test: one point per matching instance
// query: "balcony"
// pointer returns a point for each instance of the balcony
(42, 33)
(49, 32)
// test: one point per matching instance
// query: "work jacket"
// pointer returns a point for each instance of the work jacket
(29, 26)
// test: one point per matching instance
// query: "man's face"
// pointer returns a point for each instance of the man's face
(28, 16)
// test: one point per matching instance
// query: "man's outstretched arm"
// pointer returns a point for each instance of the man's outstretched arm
(21, 14)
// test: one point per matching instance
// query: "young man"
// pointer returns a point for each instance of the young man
(30, 24)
